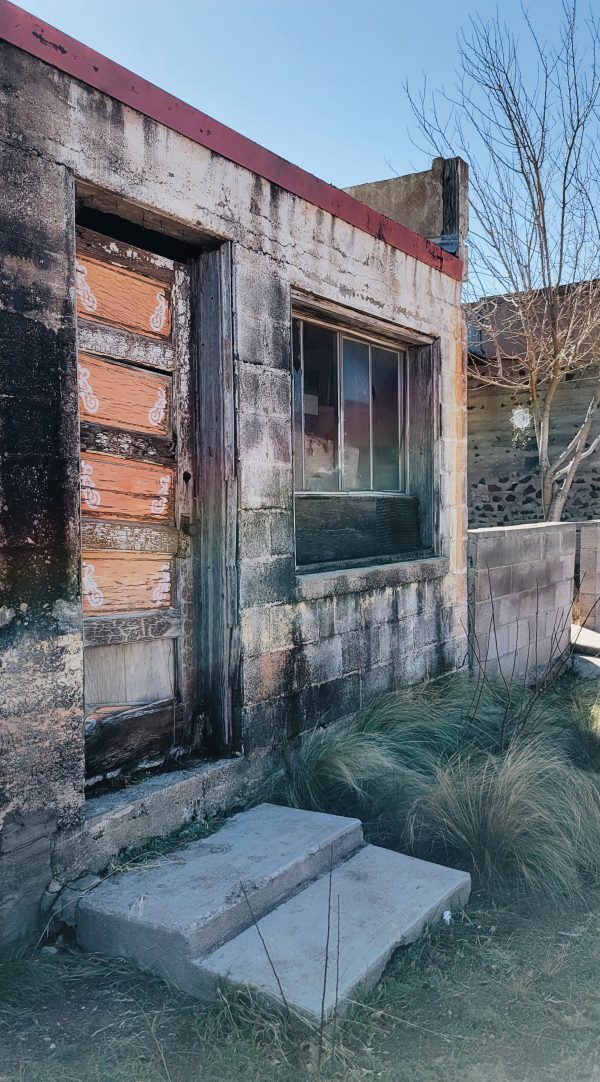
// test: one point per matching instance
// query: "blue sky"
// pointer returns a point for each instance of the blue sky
(317, 81)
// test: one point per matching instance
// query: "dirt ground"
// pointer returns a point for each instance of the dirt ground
(508, 993)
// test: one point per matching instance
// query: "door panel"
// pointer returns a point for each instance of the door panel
(121, 396)
(114, 582)
(137, 501)
(122, 298)
(135, 674)
(121, 488)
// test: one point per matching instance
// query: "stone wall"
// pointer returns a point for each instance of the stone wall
(520, 596)
(504, 484)
(310, 646)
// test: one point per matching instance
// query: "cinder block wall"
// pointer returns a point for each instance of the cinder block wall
(589, 574)
(520, 596)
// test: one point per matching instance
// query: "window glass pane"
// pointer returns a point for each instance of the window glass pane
(386, 432)
(357, 419)
(297, 381)
(321, 462)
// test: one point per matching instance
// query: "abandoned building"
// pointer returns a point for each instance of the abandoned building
(233, 479)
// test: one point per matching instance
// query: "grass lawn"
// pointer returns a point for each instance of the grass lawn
(505, 994)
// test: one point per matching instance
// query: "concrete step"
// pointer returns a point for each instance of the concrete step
(585, 641)
(385, 901)
(163, 914)
(588, 668)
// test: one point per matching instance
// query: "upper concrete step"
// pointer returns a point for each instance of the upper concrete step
(385, 901)
(161, 914)
(585, 641)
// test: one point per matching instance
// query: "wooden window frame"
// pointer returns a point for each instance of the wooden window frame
(418, 424)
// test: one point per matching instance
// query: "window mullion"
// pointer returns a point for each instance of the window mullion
(370, 393)
(302, 442)
(400, 424)
(340, 376)
(402, 420)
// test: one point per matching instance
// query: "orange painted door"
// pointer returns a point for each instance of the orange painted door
(136, 482)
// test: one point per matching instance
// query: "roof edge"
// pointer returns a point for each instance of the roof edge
(25, 31)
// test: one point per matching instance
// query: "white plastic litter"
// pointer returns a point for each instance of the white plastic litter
(447, 916)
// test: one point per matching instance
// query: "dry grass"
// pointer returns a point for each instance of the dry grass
(502, 995)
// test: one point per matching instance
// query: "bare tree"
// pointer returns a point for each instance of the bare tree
(530, 132)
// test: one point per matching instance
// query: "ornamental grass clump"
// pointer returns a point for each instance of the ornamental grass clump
(526, 818)
(488, 776)
(337, 770)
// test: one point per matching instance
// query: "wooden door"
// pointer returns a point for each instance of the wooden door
(136, 503)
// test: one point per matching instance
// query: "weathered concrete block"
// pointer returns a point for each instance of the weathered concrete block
(279, 436)
(410, 669)
(494, 582)
(282, 540)
(347, 614)
(553, 543)
(360, 649)
(507, 609)
(426, 630)
(264, 341)
(294, 625)
(258, 727)
(266, 582)
(264, 484)
(271, 675)
(256, 631)
(525, 577)
(413, 598)
(264, 391)
(547, 597)
(377, 681)
(326, 607)
(389, 638)
(254, 538)
(318, 704)
(322, 661)
(378, 608)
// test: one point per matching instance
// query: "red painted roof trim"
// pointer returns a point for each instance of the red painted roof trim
(26, 32)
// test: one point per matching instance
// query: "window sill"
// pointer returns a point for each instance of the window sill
(360, 579)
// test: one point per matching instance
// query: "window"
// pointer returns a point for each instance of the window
(350, 449)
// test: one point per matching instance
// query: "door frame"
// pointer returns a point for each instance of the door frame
(218, 633)
(210, 517)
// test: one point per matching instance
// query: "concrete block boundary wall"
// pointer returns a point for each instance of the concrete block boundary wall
(520, 596)
(589, 574)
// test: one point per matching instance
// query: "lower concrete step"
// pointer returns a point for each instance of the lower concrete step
(385, 900)
(585, 641)
(163, 914)
(586, 667)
